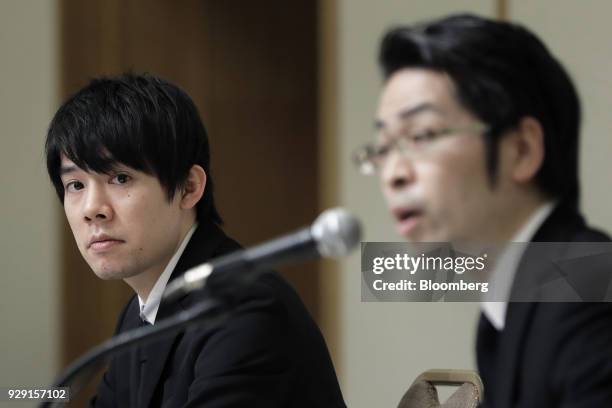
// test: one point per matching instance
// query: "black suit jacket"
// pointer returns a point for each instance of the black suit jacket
(269, 353)
(550, 354)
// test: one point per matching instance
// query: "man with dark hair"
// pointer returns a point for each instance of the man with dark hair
(477, 141)
(130, 161)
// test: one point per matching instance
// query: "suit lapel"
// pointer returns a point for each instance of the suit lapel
(131, 322)
(560, 226)
(518, 319)
(207, 242)
(155, 355)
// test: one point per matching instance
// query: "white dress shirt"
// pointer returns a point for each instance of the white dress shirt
(148, 310)
(505, 268)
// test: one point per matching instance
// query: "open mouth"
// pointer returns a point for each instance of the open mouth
(407, 220)
(404, 215)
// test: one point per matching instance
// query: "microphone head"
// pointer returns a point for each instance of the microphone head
(336, 232)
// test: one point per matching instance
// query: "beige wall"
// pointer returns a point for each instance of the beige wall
(381, 347)
(28, 230)
(579, 34)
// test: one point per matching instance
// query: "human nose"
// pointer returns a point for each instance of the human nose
(97, 205)
(397, 171)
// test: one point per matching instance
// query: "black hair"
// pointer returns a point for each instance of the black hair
(141, 121)
(502, 73)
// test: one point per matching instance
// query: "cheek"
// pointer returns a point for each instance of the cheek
(153, 216)
(73, 219)
(454, 184)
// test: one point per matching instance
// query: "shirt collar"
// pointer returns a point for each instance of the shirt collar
(504, 271)
(148, 310)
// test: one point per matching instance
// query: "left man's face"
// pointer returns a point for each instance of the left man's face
(123, 223)
(440, 190)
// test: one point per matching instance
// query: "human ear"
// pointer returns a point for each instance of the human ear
(194, 187)
(528, 146)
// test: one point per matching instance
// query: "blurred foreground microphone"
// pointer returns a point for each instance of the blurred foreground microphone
(333, 234)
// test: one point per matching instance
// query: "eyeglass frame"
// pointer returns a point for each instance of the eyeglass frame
(404, 143)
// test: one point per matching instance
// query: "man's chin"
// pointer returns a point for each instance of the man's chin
(423, 236)
(110, 274)
(419, 235)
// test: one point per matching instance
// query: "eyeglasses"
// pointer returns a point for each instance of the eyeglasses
(371, 157)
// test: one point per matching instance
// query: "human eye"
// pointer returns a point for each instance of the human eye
(73, 186)
(380, 149)
(425, 136)
(120, 178)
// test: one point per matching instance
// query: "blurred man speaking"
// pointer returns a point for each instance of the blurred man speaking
(477, 141)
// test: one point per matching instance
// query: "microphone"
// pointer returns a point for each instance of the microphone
(333, 234)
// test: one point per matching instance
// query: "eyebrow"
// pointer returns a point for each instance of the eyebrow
(409, 112)
(67, 169)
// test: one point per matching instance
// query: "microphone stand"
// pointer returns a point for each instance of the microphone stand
(213, 311)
